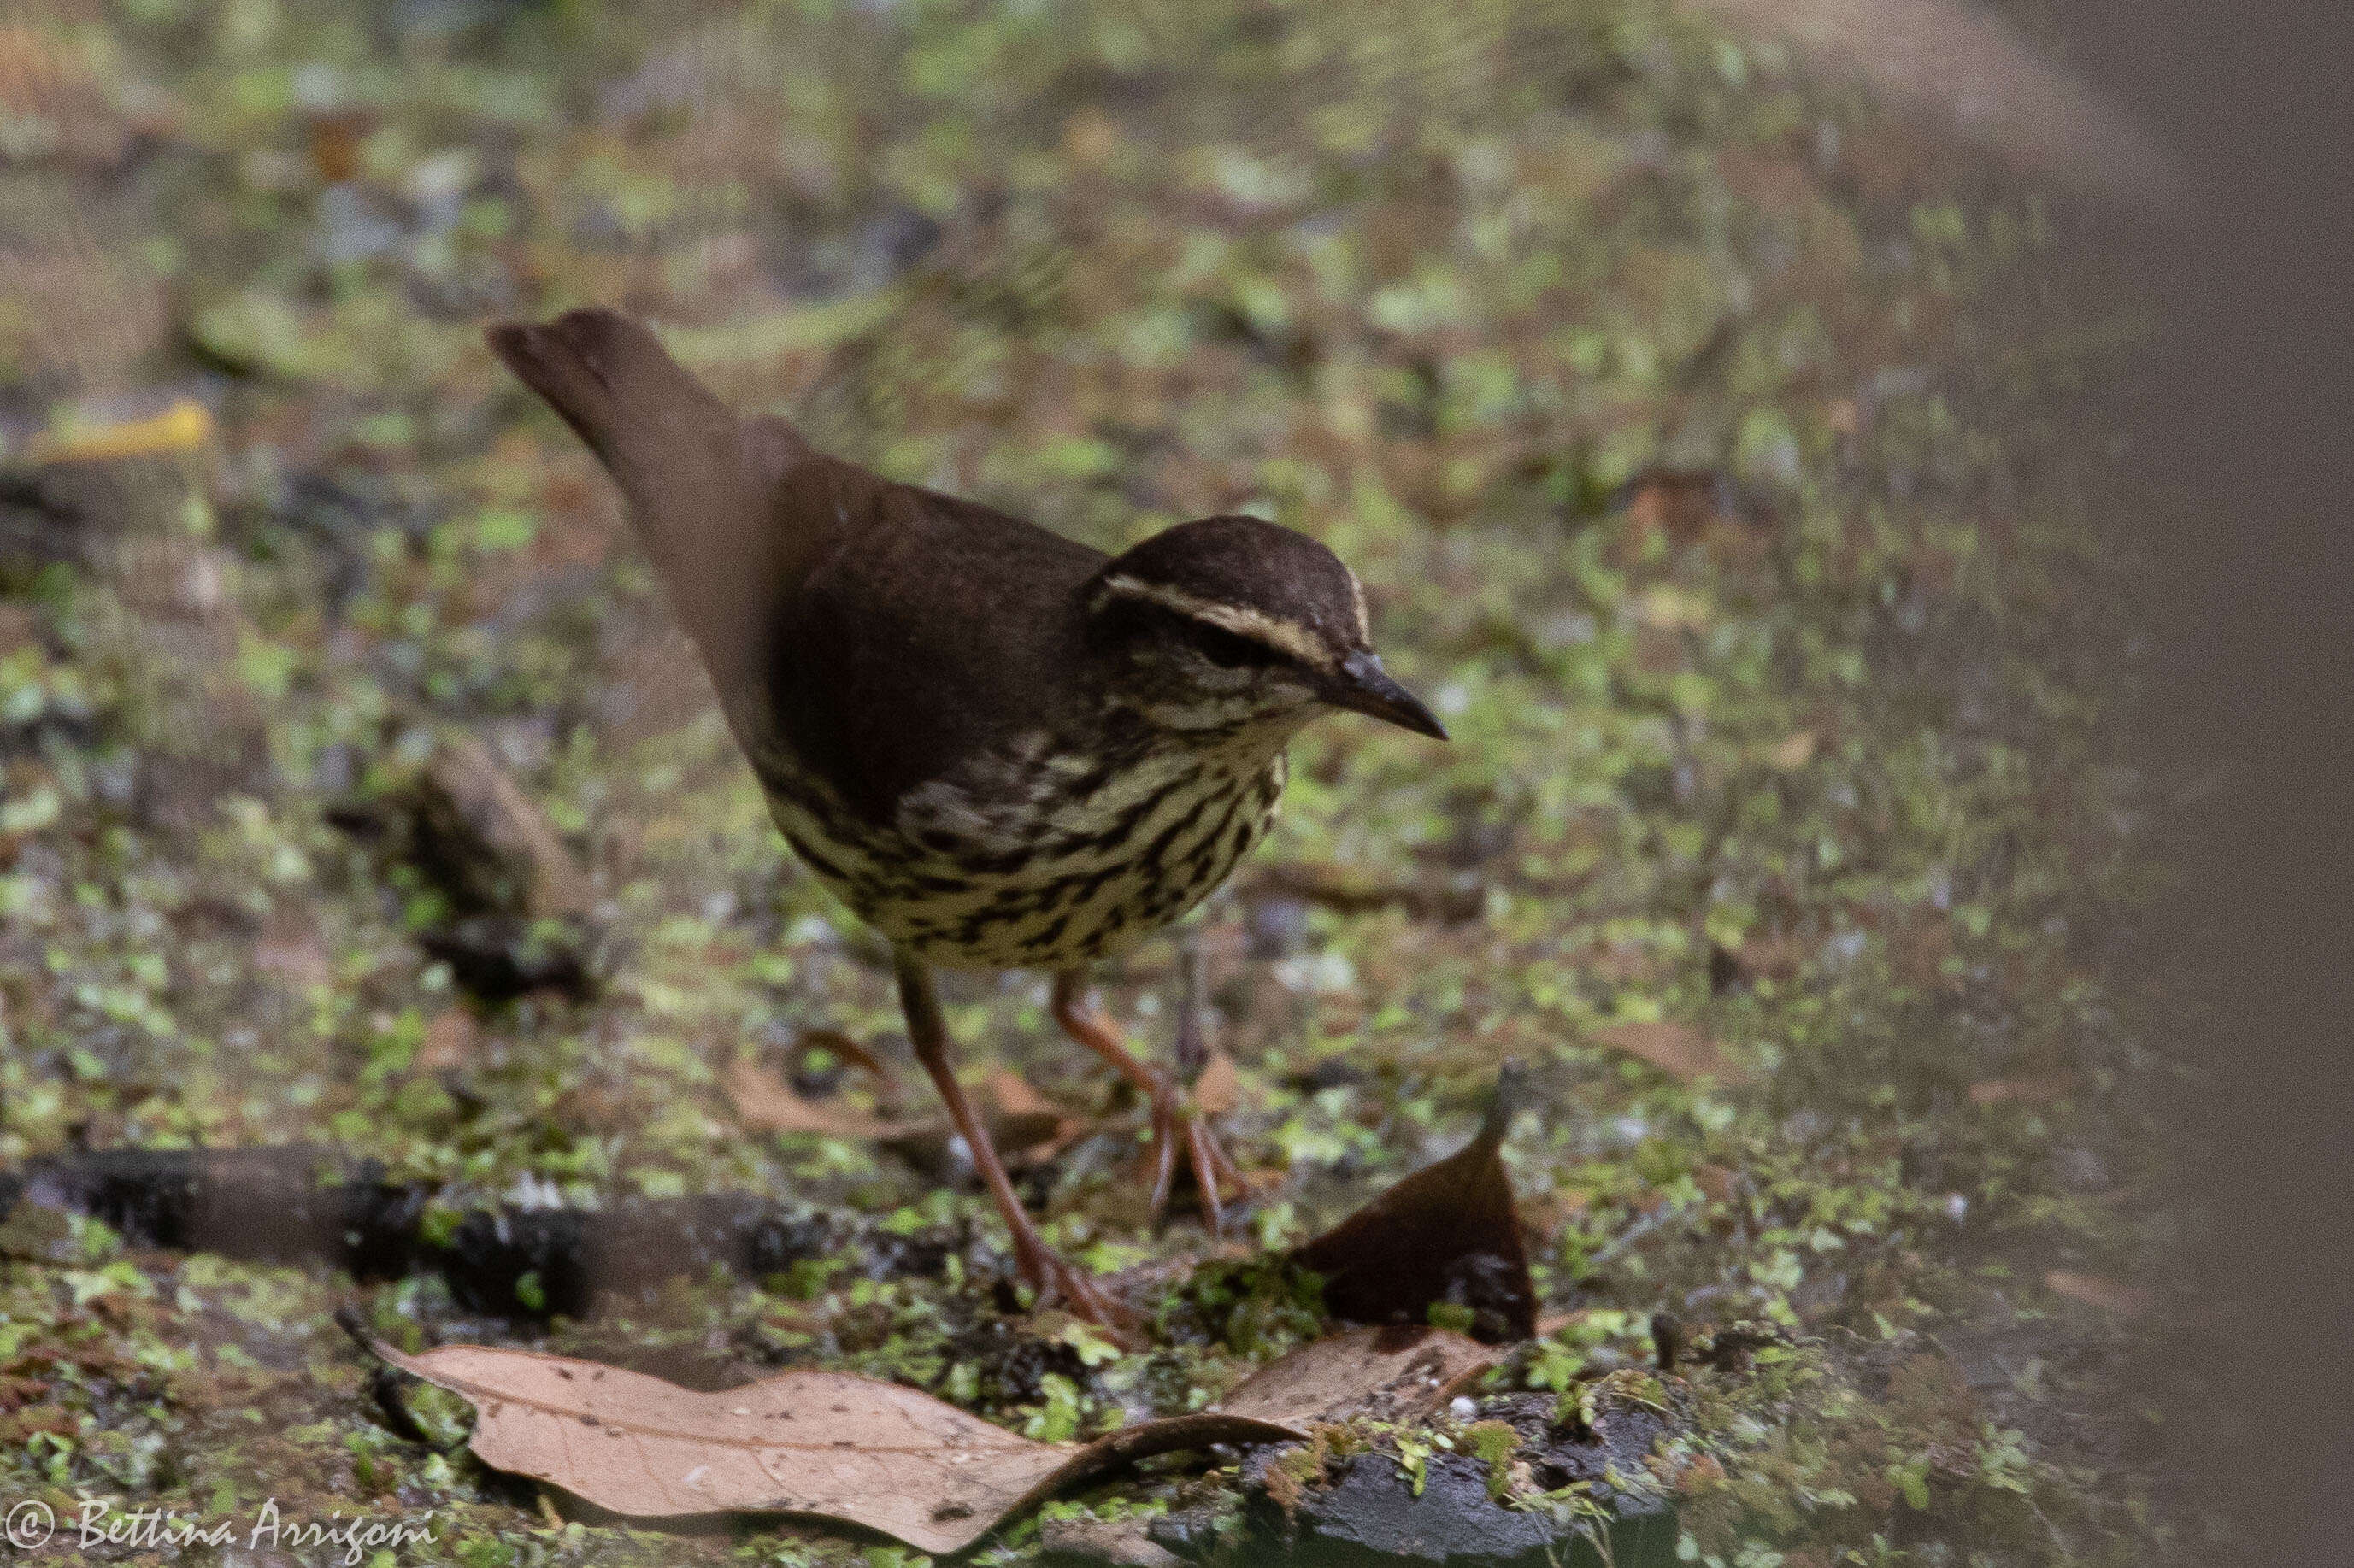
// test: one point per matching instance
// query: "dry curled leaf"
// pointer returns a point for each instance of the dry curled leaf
(1351, 893)
(2097, 1290)
(1219, 1090)
(1007, 1093)
(2023, 1091)
(449, 1040)
(1396, 1373)
(836, 1042)
(763, 1102)
(874, 1454)
(1026, 1126)
(1795, 753)
(1448, 1233)
(1677, 1049)
(1020, 1118)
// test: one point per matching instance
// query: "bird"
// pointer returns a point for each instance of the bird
(1000, 748)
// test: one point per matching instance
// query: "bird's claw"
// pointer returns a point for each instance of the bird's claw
(1174, 1123)
(1058, 1282)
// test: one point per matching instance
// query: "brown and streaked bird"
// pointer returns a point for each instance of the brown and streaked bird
(1002, 749)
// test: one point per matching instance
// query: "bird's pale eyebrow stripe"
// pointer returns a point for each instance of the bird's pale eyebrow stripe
(1284, 636)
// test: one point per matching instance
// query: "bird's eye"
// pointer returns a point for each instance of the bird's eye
(1227, 650)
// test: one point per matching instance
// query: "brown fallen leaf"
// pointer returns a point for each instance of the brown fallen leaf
(1396, 1373)
(2097, 1290)
(874, 1454)
(335, 137)
(55, 103)
(2038, 1091)
(1543, 1215)
(1677, 1049)
(1020, 1120)
(1008, 1093)
(763, 1102)
(1685, 505)
(449, 1040)
(1026, 1125)
(1789, 755)
(1715, 1183)
(19, 628)
(852, 1052)
(1219, 1090)
(1757, 957)
(1339, 888)
(1447, 1233)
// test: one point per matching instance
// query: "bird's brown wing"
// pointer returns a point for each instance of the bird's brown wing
(880, 633)
(935, 630)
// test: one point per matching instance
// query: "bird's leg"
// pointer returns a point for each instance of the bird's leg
(1173, 1119)
(1049, 1273)
(1190, 1049)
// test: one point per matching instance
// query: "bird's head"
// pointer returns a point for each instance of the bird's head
(1233, 622)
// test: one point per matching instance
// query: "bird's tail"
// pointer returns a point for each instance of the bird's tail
(643, 413)
(699, 481)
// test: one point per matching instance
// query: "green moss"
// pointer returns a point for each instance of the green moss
(1493, 1444)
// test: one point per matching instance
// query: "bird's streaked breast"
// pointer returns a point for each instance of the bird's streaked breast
(1035, 856)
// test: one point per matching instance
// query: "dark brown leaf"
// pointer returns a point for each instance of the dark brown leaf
(1447, 1233)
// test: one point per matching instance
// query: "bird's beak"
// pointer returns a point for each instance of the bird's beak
(1362, 686)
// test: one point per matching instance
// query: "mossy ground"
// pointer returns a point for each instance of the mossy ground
(1815, 762)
